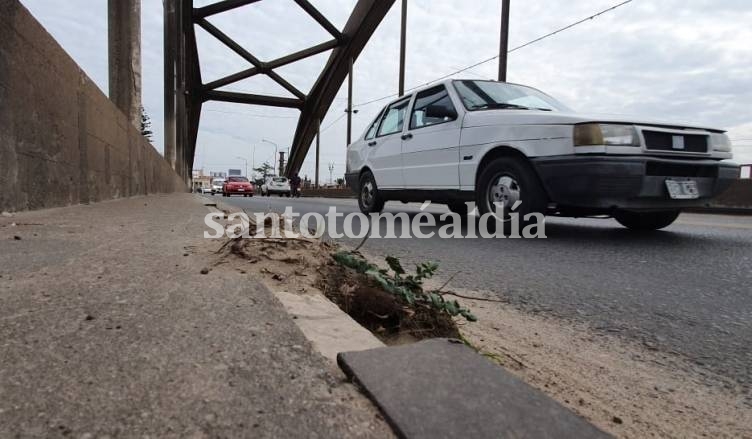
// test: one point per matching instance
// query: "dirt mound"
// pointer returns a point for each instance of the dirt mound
(382, 313)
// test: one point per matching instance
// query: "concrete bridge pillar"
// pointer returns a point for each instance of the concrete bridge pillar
(124, 43)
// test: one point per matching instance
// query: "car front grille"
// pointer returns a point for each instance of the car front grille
(662, 141)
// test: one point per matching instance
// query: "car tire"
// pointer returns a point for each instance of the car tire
(369, 198)
(458, 207)
(288, 195)
(646, 220)
(508, 180)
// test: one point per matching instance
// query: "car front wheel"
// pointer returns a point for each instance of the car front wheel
(646, 220)
(513, 183)
(458, 207)
(369, 199)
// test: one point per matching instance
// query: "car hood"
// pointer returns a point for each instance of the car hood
(536, 117)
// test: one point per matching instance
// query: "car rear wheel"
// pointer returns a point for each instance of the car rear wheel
(509, 180)
(646, 220)
(369, 199)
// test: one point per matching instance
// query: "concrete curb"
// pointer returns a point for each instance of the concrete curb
(329, 329)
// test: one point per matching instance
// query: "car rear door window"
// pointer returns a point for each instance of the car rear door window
(394, 118)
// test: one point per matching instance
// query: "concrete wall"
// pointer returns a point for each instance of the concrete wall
(61, 140)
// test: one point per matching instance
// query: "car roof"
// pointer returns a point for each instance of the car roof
(447, 82)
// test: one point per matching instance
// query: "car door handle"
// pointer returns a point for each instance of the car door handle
(407, 136)
(372, 143)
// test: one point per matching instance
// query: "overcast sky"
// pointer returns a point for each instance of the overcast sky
(678, 60)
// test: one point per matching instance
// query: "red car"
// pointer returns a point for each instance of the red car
(237, 186)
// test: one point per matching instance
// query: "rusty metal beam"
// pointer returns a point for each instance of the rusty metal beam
(220, 7)
(363, 21)
(279, 62)
(319, 17)
(237, 48)
(194, 100)
(252, 99)
(230, 43)
(305, 53)
(231, 79)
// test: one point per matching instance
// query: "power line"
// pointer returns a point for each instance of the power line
(550, 34)
(332, 124)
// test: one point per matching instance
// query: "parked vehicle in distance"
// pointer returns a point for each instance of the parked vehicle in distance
(491, 142)
(276, 185)
(236, 185)
(216, 185)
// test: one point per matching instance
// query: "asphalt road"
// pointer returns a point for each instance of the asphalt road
(686, 290)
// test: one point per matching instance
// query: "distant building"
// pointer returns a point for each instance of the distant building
(237, 172)
(746, 171)
(218, 174)
(202, 182)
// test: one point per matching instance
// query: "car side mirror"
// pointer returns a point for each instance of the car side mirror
(440, 112)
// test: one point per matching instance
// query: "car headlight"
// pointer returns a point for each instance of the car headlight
(592, 134)
(720, 142)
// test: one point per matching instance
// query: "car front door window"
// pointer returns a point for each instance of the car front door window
(432, 107)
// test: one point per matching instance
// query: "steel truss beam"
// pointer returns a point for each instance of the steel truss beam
(191, 92)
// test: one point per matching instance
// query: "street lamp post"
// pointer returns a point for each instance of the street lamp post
(246, 165)
(275, 152)
(253, 158)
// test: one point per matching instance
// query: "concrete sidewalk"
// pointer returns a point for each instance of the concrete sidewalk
(108, 327)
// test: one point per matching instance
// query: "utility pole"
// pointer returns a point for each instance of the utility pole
(349, 102)
(318, 147)
(124, 47)
(403, 43)
(504, 40)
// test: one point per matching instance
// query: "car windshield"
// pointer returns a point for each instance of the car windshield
(237, 179)
(280, 180)
(492, 95)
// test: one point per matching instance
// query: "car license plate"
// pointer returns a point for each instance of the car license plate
(241, 190)
(682, 189)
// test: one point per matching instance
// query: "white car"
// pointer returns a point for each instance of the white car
(493, 142)
(276, 185)
(216, 185)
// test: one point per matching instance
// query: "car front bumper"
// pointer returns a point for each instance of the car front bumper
(629, 182)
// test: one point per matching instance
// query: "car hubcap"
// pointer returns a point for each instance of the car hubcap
(366, 194)
(503, 189)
